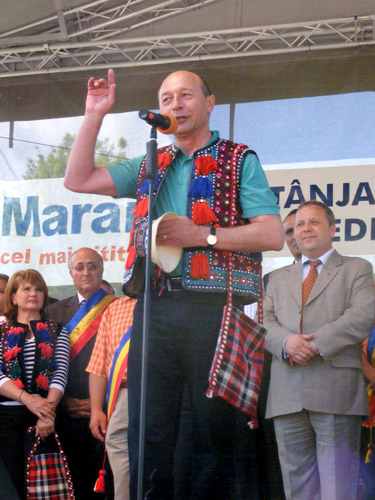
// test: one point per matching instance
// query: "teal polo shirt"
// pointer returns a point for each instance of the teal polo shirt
(256, 198)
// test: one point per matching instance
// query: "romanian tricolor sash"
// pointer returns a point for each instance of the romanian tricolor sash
(370, 392)
(371, 348)
(119, 366)
(85, 323)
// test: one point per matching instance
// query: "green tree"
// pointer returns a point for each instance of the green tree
(54, 165)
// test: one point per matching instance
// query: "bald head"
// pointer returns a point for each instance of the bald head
(86, 270)
(185, 96)
(187, 76)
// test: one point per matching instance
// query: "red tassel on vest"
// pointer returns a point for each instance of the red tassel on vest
(200, 267)
(141, 208)
(202, 213)
(130, 259)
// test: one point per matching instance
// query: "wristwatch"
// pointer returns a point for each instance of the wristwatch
(212, 238)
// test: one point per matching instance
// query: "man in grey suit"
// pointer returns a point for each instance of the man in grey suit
(317, 392)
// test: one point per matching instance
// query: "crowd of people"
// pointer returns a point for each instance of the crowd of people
(317, 312)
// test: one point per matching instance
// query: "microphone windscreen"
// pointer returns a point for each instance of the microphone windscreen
(172, 126)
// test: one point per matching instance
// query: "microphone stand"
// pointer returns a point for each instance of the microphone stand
(151, 173)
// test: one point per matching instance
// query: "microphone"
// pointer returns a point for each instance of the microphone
(165, 123)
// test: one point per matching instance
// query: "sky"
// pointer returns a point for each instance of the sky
(316, 129)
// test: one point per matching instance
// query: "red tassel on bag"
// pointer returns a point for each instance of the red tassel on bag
(202, 213)
(141, 207)
(100, 482)
(130, 259)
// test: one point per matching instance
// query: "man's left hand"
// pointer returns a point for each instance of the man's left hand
(181, 232)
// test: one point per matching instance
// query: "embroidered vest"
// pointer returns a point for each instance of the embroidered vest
(13, 341)
(204, 269)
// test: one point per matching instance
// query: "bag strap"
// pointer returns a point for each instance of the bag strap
(232, 206)
(37, 442)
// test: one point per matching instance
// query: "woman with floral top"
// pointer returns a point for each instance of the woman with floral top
(34, 361)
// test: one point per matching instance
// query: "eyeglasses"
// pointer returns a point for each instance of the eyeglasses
(90, 266)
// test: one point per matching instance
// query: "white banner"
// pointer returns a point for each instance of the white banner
(348, 190)
(42, 223)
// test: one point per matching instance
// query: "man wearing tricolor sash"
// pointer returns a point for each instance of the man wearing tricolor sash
(108, 374)
(81, 314)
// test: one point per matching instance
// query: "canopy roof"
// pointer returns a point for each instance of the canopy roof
(246, 49)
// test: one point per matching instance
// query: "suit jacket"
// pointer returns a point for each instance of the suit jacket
(63, 310)
(340, 313)
(78, 379)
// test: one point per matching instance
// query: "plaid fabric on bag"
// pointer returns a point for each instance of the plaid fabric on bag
(48, 476)
(237, 366)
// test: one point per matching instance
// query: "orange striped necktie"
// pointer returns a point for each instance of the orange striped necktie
(310, 279)
(308, 284)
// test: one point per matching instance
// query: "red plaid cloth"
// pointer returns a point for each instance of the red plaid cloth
(48, 476)
(237, 366)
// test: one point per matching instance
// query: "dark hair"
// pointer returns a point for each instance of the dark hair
(328, 212)
(292, 212)
(105, 282)
(4, 277)
(31, 276)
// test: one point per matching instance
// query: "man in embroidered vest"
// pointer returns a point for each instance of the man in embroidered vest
(186, 305)
(317, 313)
(81, 314)
(105, 370)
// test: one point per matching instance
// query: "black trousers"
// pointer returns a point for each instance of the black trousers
(84, 453)
(184, 329)
(7, 490)
(15, 443)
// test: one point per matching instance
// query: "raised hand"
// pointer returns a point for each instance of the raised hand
(101, 94)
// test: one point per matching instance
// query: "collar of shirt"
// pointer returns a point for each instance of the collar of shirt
(214, 138)
(80, 297)
(323, 258)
